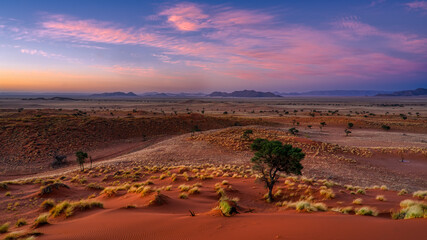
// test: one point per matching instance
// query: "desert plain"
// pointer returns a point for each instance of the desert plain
(180, 168)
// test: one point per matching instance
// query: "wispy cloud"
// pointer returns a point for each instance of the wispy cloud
(417, 5)
(353, 28)
(38, 52)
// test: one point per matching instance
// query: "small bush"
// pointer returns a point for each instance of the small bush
(227, 207)
(47, 204)
(59, 208)
(367, 211)
(4, 228)
(184, 187)
(420, 194)
(183, 196)
(411, 209)
(402, 192)
(345, 210)
(95, 186)
(307, 206)
(41, 220)
(361, 191)
(384, 187)
(21, 222)
(327, 193)
(358, 201)
(146, 190)
(68, 208)
(194, 190)
(109, 191)
(49, 188)
(380, 198)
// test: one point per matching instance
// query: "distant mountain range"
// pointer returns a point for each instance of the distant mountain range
(157, 94)
(244, 93)
(348, 93)
(416, 92)
(237, 94)
(115, 94)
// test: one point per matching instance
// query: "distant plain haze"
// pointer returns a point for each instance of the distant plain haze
(205, 46)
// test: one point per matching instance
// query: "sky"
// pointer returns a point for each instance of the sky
(204, 46)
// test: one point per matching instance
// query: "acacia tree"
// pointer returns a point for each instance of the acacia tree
(271, 158)
(80, 157)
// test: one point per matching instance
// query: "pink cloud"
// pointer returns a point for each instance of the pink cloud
(422, 5)
(59, 26)
(128, 70)
(186, 16)
(352, 28)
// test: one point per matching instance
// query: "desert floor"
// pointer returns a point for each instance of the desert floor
(157, 160)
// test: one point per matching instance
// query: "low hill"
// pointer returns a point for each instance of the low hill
(115, 94)
(416, 92)
(244, 93)
(341, 93)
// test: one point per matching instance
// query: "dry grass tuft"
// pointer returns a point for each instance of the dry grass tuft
(381, 198)
(367, 211)
(327, 193)
(41, 220)
(4, 227)
(420, 194)
(47, 204)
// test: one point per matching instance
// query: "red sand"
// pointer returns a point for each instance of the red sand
(134, 224)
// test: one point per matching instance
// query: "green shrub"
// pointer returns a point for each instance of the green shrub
(380, 198)
(183, 196)
(327, 193)
(194, 190)
(367, 211)
(41, 220)
(411, 209)
(361, 191)
(420, 194)
(402, 192)
(21, 222)
(47, 204)
(4, 228)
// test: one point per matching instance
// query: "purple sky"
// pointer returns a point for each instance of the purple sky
(203, 46)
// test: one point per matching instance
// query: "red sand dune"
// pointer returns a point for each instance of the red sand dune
(130, 224)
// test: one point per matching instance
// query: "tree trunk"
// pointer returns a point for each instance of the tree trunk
(270, 193)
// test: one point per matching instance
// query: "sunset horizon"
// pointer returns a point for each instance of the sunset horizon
(205, 46)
